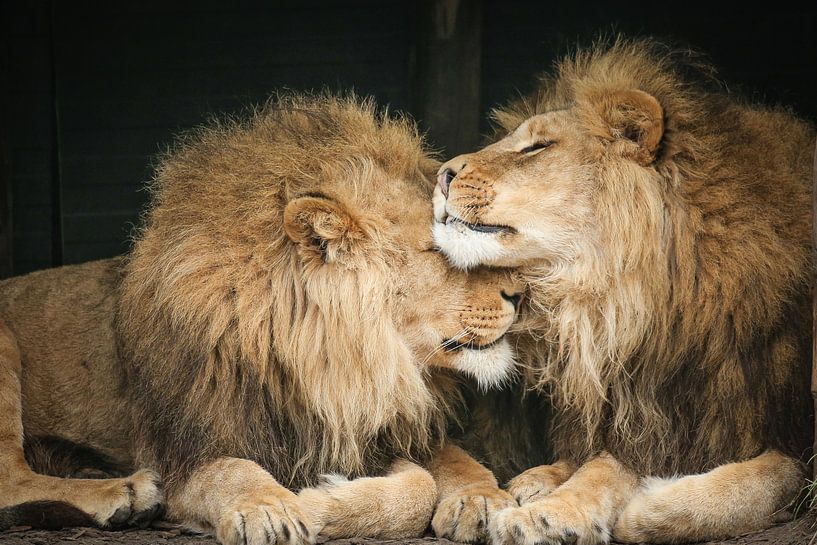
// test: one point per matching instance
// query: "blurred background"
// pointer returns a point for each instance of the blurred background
(91, 91)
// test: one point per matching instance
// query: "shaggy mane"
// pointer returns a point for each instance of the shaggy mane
(240, 349)
(688, 316)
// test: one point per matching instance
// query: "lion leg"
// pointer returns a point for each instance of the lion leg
(241, 503)
(468, 496)
(582, 511)
(725, 502)
(398, 505)
(109, 502)
(537, 482)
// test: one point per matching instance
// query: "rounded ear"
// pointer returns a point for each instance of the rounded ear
(323, 229)
(636, 116)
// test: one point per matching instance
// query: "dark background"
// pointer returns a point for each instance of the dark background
(91, 91)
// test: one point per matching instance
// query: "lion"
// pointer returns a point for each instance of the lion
(663, 228)
(283, 314)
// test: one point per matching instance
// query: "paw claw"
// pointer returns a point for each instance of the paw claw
(466, 516)
(537, 483)
(133, 500)
(304, 530)
(120, 516)
(260, 522)
(551, 521)
(142, 519)
(569, 537)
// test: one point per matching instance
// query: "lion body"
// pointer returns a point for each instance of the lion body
(278, 318)
(664, 230)
(700, 326)
(681, 342)
(67, 355)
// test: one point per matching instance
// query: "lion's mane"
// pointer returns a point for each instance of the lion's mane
(237, 348)
(680, 338)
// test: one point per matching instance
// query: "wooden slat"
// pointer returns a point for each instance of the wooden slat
(446, 80)
(814, 306)
(6, 237)
(28, 128)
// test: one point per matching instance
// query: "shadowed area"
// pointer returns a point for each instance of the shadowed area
(47, 515)
(798, 532)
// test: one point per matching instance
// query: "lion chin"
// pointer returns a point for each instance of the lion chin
(491, 367)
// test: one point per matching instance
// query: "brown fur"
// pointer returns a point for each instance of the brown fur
(502, 428)
(319, 306)
(670, 265)
(61, 384)
(251, 348)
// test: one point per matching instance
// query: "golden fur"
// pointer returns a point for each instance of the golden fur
(60, 378)
(663, 227)
(253, 322)
(283, 314)
(303, 336)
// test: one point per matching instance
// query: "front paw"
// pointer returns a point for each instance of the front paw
(551, 521)
(270, 521)
(465, 515)
(130, 501)
(537, 482)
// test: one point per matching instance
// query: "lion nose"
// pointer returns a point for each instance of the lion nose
(450, 169)
(444, 180)
(512, 298)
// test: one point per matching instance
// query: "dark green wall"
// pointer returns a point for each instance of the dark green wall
(91, 91)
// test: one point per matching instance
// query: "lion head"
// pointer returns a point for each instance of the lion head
(285, 301)
(663, 230)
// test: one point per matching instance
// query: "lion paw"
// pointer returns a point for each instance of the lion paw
(537, 482)
(134, 501)
(465, 516)
(275, 522)
(551, 521)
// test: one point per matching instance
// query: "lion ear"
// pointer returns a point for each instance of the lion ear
(323, 229)
(636, 116)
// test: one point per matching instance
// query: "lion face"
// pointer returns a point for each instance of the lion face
(530, 197)
(443, 316)
(455, 319)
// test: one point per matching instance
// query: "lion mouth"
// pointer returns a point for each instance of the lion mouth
(451, 345)
(480, 227)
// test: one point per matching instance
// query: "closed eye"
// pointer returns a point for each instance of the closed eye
(537, 146)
